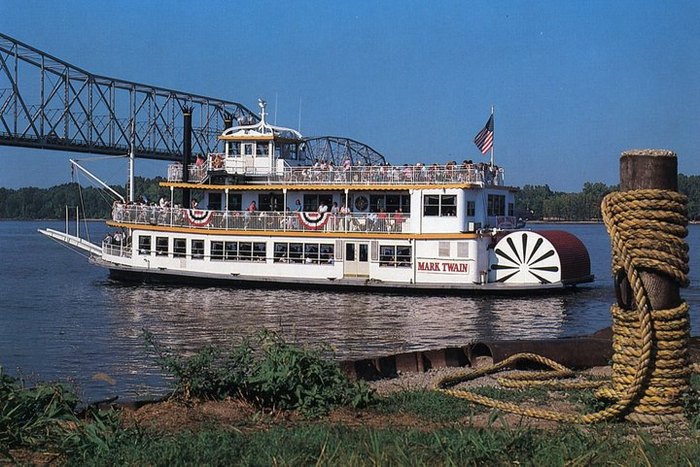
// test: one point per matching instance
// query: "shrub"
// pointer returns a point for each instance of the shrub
(33, 417)
(275, 375)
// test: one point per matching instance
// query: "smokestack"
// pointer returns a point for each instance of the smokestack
(186, 152)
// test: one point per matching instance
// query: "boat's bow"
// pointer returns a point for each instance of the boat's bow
(72, 240)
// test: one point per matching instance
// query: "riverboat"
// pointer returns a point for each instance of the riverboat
(263, 213)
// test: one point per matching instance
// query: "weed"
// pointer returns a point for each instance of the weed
(691, 402)
(32, 417)
(276, 375)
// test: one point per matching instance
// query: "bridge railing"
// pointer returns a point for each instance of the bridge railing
(266, 221)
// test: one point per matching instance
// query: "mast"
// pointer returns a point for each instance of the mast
(132, 156)
(494, 133)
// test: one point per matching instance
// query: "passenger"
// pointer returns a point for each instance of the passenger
(297, 206)
(398, 220)
(334, 215)
(194, 204)
(382, 220)
(322, 208)
(252, 207)
(345, 214)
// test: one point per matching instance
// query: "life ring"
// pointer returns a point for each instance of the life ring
(361, 203)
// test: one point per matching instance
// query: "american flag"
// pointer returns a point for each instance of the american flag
(484, 139)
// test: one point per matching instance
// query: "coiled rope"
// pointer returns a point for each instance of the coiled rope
(650, 369)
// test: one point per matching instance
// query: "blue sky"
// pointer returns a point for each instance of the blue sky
(574, 83)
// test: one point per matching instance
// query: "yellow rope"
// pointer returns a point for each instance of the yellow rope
(650, 369)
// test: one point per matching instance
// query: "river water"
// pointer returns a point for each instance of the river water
(62, 319)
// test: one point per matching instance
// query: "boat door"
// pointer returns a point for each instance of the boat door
(356, 261)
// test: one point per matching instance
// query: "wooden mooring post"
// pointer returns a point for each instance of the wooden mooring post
(665, 348)
(649, 169)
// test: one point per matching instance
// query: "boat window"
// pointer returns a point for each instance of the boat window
(214, 202)
(391, 203)
(448, 205)
(235, 202)
(404, 258)
(387, 255)
(261, 149)
(394, 256)
(444, 249)
(290, 152)
(245, 251)
(313, 201)
(440, 205)
(248, 149)
(161, 246)
(511, 209)
(471, 208)
(271, 202)
(230, 251)
(364, 256)
(144, 245)
(197, 247)
(326, 254)
(496, 205)
(309, 253)
(350, 252)
(280, 254)
(462, 250)
(431, 205)
(179, 247)
(296, 252)
(217, 251)
(234, 148)
(259, 251)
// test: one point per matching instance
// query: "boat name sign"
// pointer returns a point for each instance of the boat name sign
(436, 266)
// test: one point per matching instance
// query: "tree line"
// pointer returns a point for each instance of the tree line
(534, 202)
(539, 202)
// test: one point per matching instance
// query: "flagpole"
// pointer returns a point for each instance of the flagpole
(494, 135)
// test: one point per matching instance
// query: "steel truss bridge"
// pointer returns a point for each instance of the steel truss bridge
(47, 103)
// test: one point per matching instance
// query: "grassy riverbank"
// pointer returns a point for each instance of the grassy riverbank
(270, 403)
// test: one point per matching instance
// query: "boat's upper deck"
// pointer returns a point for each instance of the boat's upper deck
(215, 165)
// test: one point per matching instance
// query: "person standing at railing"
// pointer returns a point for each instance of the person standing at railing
(345, 214)
(382, 220)
(398, 220)
(334, 215)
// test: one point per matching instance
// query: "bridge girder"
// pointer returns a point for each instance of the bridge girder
(336, 149)
(47, 103)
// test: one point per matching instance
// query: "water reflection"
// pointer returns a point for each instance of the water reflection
(355, 325)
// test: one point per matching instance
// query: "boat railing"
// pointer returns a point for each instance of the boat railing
(197, 172)
(479, 174)
(267, 221)
(116, 248)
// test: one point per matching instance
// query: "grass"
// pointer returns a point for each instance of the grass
(323, 444)
(405, 428)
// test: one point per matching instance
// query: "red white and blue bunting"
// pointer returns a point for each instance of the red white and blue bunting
(198, 217)
(313, 220)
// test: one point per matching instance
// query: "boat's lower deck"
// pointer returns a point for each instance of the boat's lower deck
(522, 261)
(163, 276)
